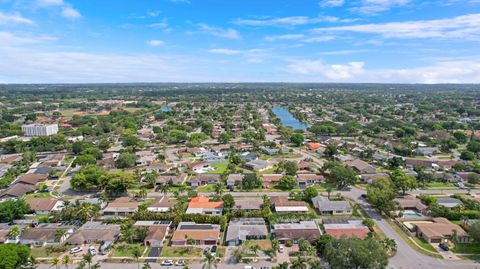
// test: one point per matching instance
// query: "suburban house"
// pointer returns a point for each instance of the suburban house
(95, 232)
(369, 178)
(203, 179)
(306, 180)
(233, 179)
(160, 204)
(157, 231)
(293, 231)
(191, 233)
(240, 230)
(426, 151)
(17, 190)
(441, 230)
(269, 180)
(315, 146)
(43, 206)
(199, 167)
(248, 204)
(449, 202)
(32, 179)
(121, 207)
(46, 234)
(203, 205)
(345, 227)
(172, 179)
(97, 201)
(360, 166)
(327, 207)
(258, 165)
(410, 202)
(281, 204)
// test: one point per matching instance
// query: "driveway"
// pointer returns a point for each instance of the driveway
(154, 252)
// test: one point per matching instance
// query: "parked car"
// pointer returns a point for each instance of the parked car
(76, 250)
(180, 263)
(248, 267)
(92, 250)
(206, 250)
(281, 248)
(214, 250)
(167, 263)
(444, 246)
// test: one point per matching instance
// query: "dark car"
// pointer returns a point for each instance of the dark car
(214, 250)
(444, 246)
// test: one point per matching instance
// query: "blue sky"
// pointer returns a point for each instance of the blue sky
(400, 41)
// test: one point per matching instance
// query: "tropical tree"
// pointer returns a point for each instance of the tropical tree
(254, 249)
(66, 260)
(137, 253)
(55, 262)
(299, 263)
(59, 234)
(218, 189)
(14, 232)
(209, 261)
(146, 266)
(87, 258)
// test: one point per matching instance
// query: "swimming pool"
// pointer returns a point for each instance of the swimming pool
(411, 214)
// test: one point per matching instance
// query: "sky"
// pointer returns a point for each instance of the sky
(381, 41)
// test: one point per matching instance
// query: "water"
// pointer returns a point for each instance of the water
(287, 119)
(166, 108)
(411, 215)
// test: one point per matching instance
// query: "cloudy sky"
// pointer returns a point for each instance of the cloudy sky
(404, 41)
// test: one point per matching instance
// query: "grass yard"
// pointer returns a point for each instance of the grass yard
(41, 252)
(37, 195)
(220, 168)
(440, 185)
(473, 248)
(263, 244)
(207, 188)
(173, 252)
(424, 244)
(126, 250)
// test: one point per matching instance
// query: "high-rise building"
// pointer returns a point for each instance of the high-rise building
(39, 129)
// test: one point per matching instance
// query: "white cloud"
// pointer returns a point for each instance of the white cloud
(8, 39)
(163, 25)
(332, 3)
(454, 71)
(155, 43)
(318, 39)
(461, 28)
(287, 21)
(15, 18)
(70, 13)
(46, 3)
(284, 37)
(181, 1)
(228, 33)
(373, 7)
(225, 51)
(330, 72)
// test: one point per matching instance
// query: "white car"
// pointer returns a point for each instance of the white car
(92, 250)
(167, 263)
(180, 263)
(280, 249)
(76, 250)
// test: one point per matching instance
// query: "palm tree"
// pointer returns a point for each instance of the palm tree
(66, 260)
(32, 263)
(55, 262)
(81, 265)
(86, 211)
(14, 232)
(275, 245)
(146, 266)
(59, 234)
(218, 189)
(164, 188)
(255, 249)
(142, 193)
(137, 253)
(209, 261)
(299, 263)
(88, 259)
(329, 190)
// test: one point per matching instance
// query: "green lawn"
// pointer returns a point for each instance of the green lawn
(37, 195)
(440, 185)
(263, 244)
(208, 188)
(172, 252)
(127, 251)
(219, 168)
(473, 248)
(41, 252)
(413, 245)
(424, 244)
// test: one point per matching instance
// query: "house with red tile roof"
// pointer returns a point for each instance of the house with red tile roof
(203, 205)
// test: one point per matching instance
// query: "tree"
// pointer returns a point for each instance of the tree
(225, 137)
(254, 249)
(467, 155)
(228, 201)
(381, 194)
(137, 253)
(331, 150)
(14, 232)
(87, 258)
(329, 190)
(219, 189)
(66, 260)
(297, 139)
(126, 160)
(290, 168)
(402, 181)
(85, 159)
(251, 181)
(55, 262)
(303, 245)
(209, 261)
(474, 231)
(343, 176)
(13, 209)
(13, 256)
(474, 146)
(146, 266)
(355, 253)
(309, 193)
(287, 183)
(461, 137)
(59, 234)
(299, 263)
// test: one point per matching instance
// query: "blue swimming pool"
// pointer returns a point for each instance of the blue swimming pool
(411, 215)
